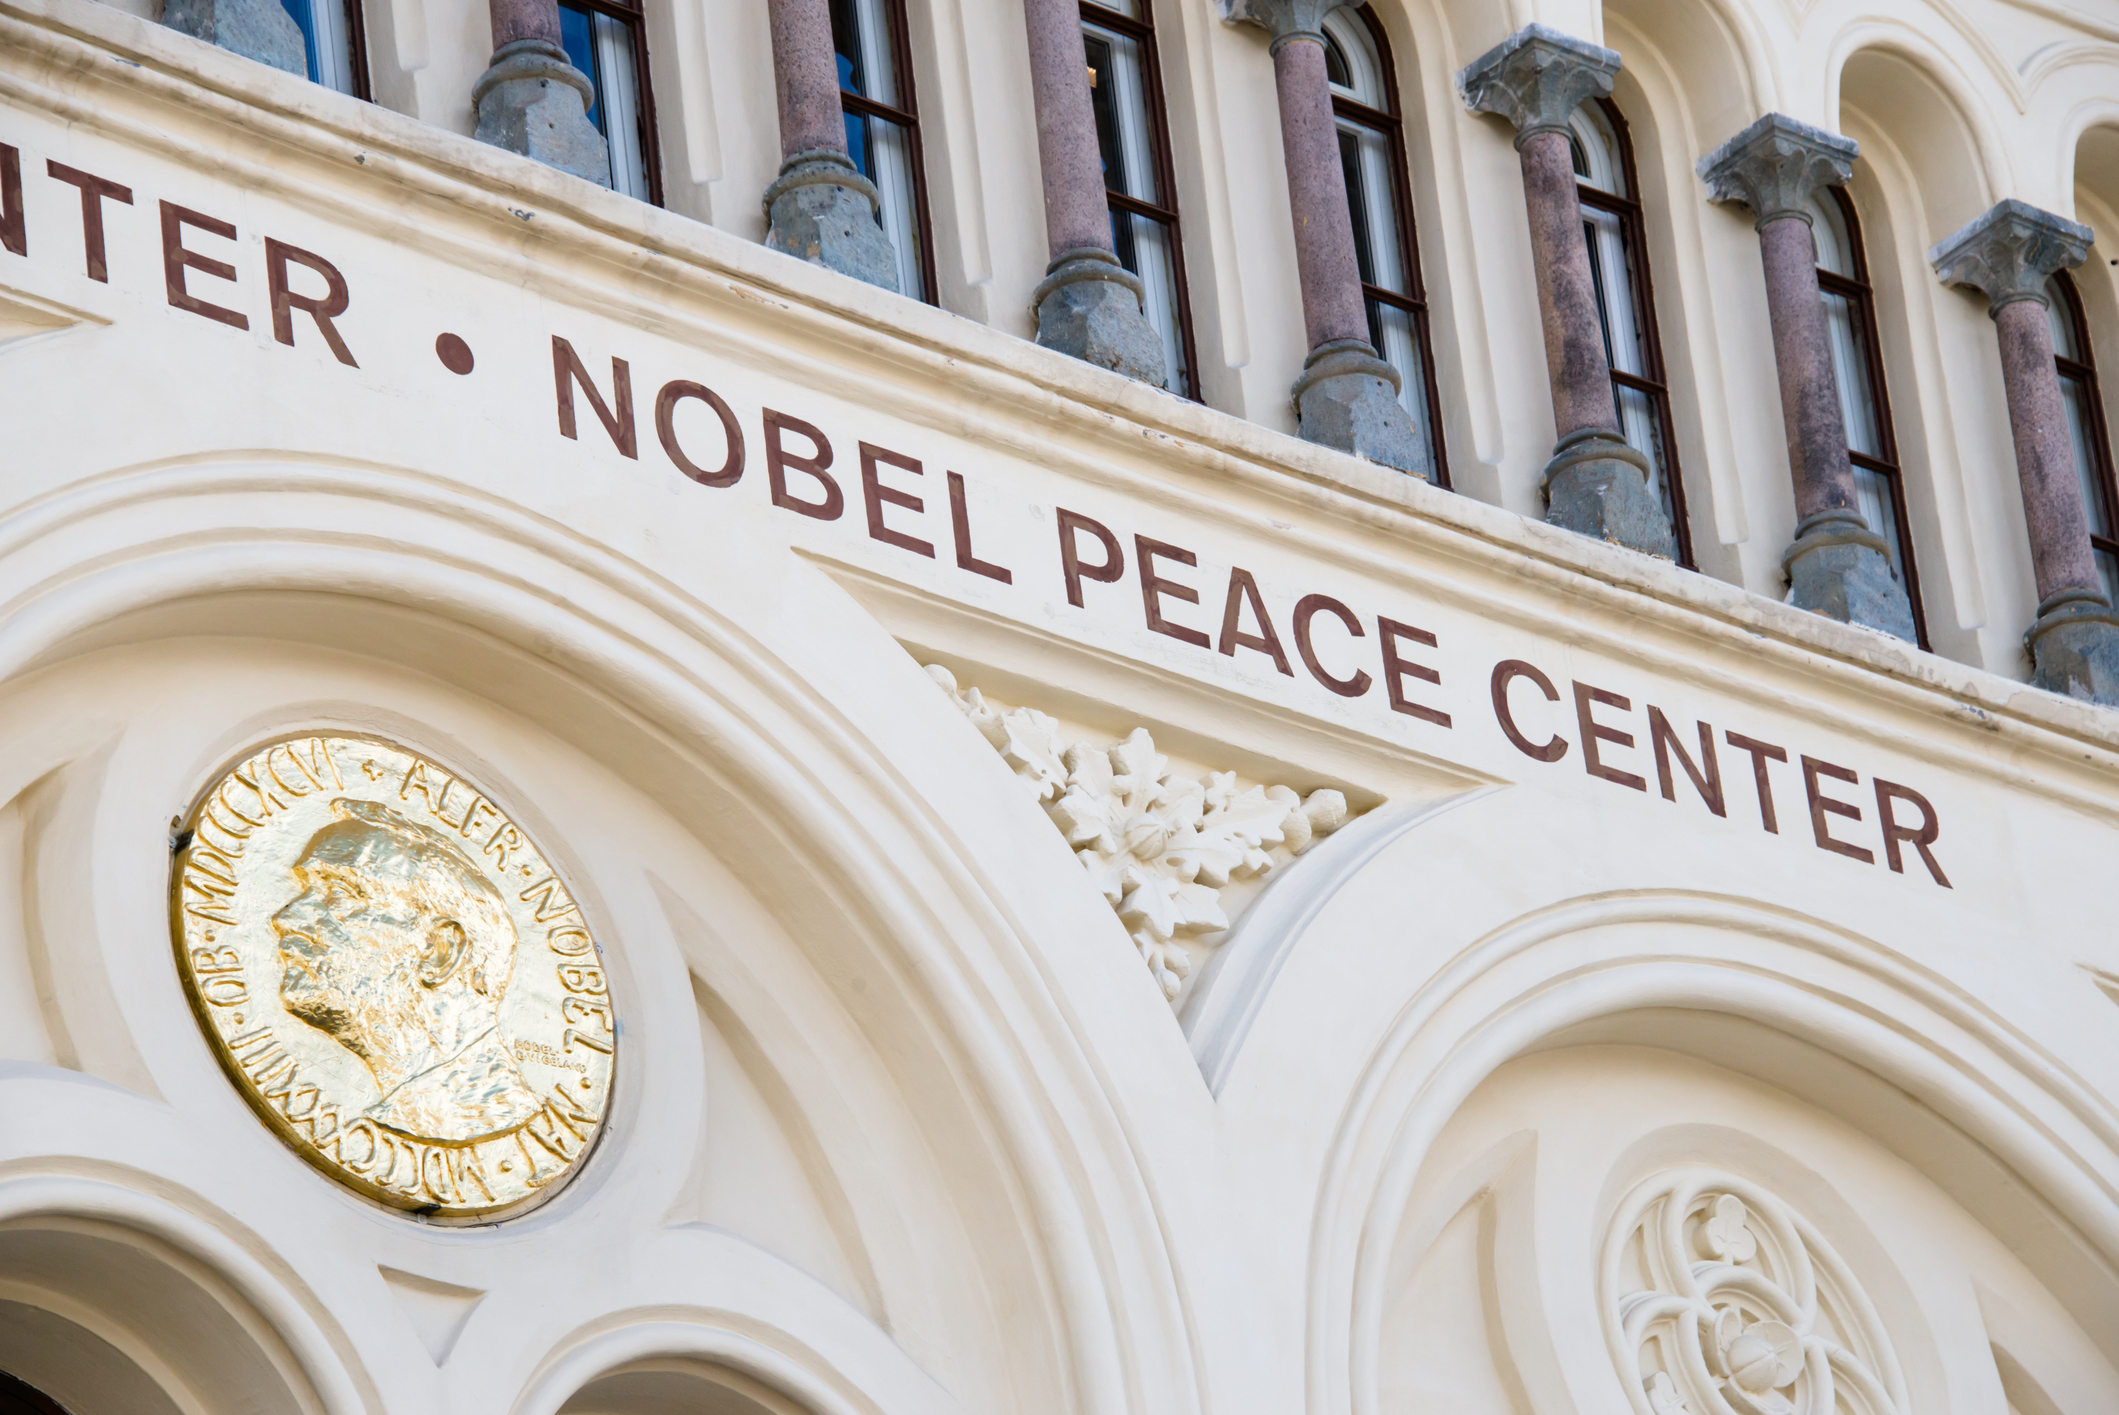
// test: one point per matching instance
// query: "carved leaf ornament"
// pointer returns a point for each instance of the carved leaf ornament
(1719, 1300)
(1159, 846)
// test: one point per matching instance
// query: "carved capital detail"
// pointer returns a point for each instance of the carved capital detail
(1776, 165)
(1718, 1297)
(1159, 845)
(2009, 253)
(1282, 19)
(1536, 77)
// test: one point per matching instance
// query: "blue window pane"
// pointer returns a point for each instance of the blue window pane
(304, 15)
(574, 37)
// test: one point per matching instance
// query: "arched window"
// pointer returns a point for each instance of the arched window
(1618, 263)
(1372, 149)
(1857, 367)
(883, 128)
(2085, 416)
(607, 40)
(1125, 88)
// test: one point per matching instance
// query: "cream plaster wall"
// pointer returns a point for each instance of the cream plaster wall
(905, 1123)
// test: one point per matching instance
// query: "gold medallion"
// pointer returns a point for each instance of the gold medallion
(394, 976)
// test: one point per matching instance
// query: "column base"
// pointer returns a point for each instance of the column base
(820, 209)
(1597, 485)
(1838, 567)
(2074, 647)
(1089, 305)
(532, 101)
(256, 29)
(1348, 398)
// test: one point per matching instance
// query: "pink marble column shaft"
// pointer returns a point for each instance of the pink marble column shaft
(1076, 214)
(1802, 353)
(805, 76)
(1567, 296)
(2045, 454)
(524, 19)
(1325, 260)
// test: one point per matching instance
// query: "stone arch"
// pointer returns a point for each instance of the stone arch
(2092, 178)
(1616, 970)
(1905, 86)
(933, 995)
(114, 1299)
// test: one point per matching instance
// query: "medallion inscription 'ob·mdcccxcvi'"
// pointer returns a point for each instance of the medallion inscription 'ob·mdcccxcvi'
(394, 976)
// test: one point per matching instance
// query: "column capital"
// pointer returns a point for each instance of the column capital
(1282, 19)
(2008, 253)
(1536, 77)
(1776, 165)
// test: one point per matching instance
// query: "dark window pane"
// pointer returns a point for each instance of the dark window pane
(575, 36)
(1357, 202)
(303, 14)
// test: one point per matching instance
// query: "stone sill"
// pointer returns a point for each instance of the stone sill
(89, 61)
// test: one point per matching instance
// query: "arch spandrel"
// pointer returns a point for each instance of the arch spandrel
(861, 983)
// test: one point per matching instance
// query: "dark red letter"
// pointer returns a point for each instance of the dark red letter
(778, 459)
(960, 525)
(1930, 827)
(567, 371)
(1070, 559)
(175, 259)
(675, 392)
(1153, 587)
(285, 301)
(1507, 670)
(94, 190)
(1821, 806)
(874, 494)
(1306, 608)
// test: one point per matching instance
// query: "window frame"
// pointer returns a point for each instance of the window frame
(2084, 370)
(357, 50)
(633, 15)
(1391, 123)
(1634, 231)
(907, 117)
(1860, 293)
(1142, 32)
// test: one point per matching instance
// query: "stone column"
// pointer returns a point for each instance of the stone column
(1837, 565)
(256, 29)
(531, 100)
(1595, 483)
(1088, 305)
(2007, 255)
(820, 208)
(1347, 397)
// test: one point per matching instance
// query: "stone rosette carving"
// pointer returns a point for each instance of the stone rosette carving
(1160, 846)
(1720, 1300)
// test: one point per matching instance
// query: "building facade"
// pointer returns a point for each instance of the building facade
(913, 706)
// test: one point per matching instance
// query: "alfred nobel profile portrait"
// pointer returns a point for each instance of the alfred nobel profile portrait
(400, 950)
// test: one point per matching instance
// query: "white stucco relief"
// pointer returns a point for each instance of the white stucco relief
(1720, 1300)
(1159, 845)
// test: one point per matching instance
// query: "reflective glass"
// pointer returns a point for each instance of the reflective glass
(881, 149)
(326, 41)
(1118, 94)
(601, 46)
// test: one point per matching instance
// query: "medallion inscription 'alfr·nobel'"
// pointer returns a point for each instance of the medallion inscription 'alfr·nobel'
(394, 976)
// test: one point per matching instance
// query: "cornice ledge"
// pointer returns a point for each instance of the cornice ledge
(91, 43)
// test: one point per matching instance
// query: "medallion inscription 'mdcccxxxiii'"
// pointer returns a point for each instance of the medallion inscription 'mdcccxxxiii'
(394, 976)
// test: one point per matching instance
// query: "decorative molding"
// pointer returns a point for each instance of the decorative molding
(1159, 846)
(2008, 253)
(1776, 165)
(1536, 78)
(1720, 1300)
